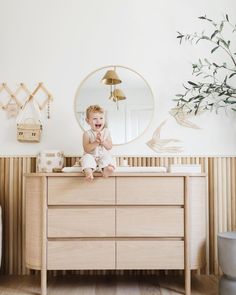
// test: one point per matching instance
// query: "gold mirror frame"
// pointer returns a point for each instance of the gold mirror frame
(102, 70)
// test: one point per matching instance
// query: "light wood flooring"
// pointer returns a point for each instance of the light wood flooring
(108, 285)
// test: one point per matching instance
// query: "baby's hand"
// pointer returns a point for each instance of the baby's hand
(101, 139)
(98, 138)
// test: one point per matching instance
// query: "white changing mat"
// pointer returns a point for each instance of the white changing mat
(72, 169)
(121, 169)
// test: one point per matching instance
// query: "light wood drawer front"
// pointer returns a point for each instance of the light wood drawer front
(76, 191)
(150, 190)
(150, 222)
(81, 255)
(150, 254)
(83, 222)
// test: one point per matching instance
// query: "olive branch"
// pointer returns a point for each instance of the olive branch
(209, 91)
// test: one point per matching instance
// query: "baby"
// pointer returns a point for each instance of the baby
(97, 143)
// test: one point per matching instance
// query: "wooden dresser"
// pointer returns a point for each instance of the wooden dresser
(128, 221)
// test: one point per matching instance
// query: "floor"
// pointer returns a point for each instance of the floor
(108, 285)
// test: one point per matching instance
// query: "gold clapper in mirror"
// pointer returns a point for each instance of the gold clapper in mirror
(112, 79)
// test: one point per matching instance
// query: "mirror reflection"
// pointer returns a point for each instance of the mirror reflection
(124, 95)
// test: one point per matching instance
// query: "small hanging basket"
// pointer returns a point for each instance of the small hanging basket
(29, 131)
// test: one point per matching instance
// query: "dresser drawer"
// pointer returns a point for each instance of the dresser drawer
(150, 254)
(76, 191)
(150, 222)
(150, 190)
(81, 222)
(81, 255)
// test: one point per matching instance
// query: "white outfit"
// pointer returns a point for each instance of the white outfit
(100, 157)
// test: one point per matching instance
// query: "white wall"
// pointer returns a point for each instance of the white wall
(59, 42)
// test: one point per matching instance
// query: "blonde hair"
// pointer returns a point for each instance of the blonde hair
(94, 109)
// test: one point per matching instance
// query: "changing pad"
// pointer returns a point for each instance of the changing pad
(121, 169)
(72, 169)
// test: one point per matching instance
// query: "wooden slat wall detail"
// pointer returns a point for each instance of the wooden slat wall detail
(12, 186)
(221, 204)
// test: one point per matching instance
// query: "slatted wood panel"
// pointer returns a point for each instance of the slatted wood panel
(12, 186)
(221, 203)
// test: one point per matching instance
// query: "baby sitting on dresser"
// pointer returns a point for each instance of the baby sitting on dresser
(97, 143)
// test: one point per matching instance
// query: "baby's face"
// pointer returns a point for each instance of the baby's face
(96, 121)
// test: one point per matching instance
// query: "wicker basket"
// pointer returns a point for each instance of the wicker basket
(29, 131)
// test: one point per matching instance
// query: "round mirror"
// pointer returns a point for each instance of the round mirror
(124, 95)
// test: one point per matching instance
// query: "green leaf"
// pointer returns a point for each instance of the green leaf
(221, 26)
(230, 76)
(207, 61)
(205, 18)
(195, 113)
(213, 35)
(230, 101)
(192, 83)
(180, 35)
(205, 37)
(223, 41)
(214, 49)
(227, 17)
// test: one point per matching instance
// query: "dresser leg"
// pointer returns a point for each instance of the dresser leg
(187, 282)
(43, 282)
(187, 263)
(44, 239)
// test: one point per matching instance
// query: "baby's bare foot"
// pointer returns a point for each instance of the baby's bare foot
(88, 174)
(107, 171)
